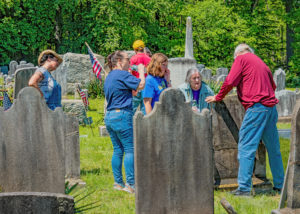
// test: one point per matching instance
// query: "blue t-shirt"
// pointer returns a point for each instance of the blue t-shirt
(153, 87)
(118, 88)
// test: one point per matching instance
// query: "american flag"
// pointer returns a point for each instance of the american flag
(97, 67)
(83, 96)
(6, 101)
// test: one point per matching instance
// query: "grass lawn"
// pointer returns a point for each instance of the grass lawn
(95, 156)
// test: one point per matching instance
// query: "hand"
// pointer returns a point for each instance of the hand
(210, 99)
(194, 108)
(167, 75)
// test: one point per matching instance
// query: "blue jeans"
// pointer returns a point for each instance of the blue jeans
(138, 101)
(120, 128)
(259, 123)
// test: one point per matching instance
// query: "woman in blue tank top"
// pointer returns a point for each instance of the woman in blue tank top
(44, 81)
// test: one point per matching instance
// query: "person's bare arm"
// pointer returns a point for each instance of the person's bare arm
(147, 103)
(141, 69)
(35, 79)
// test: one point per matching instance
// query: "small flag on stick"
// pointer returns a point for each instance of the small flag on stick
(97, 67)
(6, 101)
(83, 96)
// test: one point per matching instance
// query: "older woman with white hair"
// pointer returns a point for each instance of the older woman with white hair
(195, 90)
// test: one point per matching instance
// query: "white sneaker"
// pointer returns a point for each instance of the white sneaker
(129, 188)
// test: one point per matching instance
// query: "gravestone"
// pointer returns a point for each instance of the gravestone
(12, 67)
(23, 62)
(75, 69)
(225, 141)
(293, 191)
(36, 203)
(189, 52)
(32, 145)
(22, 77)
(279, 79)
(221, 78)
(222, 71)
(200, 67)
(173, 158)
(206, 74)
(287, 101)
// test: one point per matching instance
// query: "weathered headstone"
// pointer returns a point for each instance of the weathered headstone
(35, 203)
(173, 158)
(293, 191)
(75, 108)
(221, 78)
(279, 79)
(200, 67)
(222, 71)
(225, 141)
(23, 62)
(75, 68)
(22, 77)
(32, 145)
(287, 101)
(12, 67)
(189, 51)
(72, 148)
(206, 74)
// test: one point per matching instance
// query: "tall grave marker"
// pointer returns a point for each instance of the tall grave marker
(173, 158)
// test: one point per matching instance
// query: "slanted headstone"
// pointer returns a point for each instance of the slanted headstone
(22, 77)
(12, 67)
(225, 140)
(32, 145)
(36, 202)
(189, 52)
(279, 79)
(173, 158)
(206, 74)
(222, 71)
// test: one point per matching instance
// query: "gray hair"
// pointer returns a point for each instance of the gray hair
(190, 72)
(242, 48)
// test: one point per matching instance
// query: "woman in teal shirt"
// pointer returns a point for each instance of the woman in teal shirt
(195, 90)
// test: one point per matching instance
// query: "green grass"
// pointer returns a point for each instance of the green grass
(95, 156)
(283, 125)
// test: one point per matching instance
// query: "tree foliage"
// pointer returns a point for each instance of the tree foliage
(29, 26)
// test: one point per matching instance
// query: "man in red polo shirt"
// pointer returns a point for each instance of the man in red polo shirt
(139, 58)
(256, 91)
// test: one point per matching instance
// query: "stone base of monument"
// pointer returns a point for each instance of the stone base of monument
(258, 184)
(36, 202)
(286, 211)
(103, 132)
